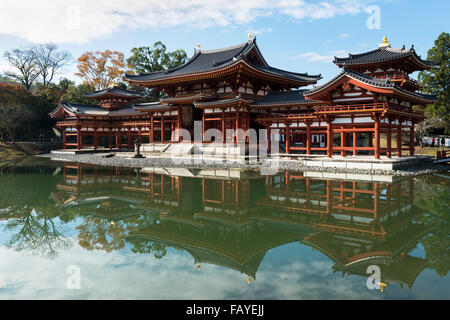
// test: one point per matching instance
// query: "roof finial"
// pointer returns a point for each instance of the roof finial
(385, 43)
(250, 36)
(197, 48)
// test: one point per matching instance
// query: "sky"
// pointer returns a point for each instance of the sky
(295, 35)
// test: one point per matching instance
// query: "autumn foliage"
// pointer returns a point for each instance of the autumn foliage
(101, 70)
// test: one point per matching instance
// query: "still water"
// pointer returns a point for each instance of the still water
(119, 233)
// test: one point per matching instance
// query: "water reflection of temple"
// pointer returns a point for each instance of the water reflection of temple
(234, 222)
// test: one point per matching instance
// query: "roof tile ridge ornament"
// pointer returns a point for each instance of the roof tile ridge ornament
(385, 44)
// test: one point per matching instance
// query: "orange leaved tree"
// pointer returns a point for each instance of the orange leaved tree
(101, 69)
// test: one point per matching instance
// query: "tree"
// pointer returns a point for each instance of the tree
(101, 70)
(76, 93)
(25, 68)
(14, 109)
(147, 60)
(49, 61)
(422, 127)
(437, 79)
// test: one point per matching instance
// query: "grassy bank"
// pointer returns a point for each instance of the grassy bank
(19, 148)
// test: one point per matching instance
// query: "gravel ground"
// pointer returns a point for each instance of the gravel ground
(123, 161)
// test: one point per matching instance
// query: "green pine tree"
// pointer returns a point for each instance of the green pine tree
(437, 79)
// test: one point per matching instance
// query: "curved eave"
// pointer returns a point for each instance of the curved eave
(187, 99)
(288, 104)
(60, 108)
(156, 109)
(224, 71)
(220, 103)
(422, 64)
(393, 90)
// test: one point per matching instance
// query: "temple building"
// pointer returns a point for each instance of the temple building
(235, 88)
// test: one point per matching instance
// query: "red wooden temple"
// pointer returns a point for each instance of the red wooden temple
(235, 88)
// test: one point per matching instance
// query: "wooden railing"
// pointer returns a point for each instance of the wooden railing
(442, 154)
(352, 108)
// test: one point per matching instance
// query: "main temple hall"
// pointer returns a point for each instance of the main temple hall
(367, 109)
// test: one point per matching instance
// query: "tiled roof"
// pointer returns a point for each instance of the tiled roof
(149, 106)
(209, 60)
(114, 91)
(284, 98)
(93, 110)
(379, 55)
(376, 82)
(224, 101)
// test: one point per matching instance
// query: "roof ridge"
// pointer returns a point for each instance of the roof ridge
(243, 44)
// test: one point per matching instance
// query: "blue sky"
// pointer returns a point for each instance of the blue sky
(296, 35)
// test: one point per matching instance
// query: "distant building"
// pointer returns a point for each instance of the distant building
(235, 88)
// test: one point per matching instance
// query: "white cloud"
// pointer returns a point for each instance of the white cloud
(314, 57)
(124, 275)
(259, 31)
(78, 21)
(317, 57)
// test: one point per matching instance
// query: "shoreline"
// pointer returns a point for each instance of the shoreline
(266, 164)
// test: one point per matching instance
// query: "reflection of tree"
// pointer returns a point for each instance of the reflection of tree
(100, 234)
(35, 231)
(433, 199)
(148, 247)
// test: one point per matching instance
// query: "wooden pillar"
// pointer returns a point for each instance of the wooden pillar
(288, 138)
(269, 139)
(237, 126)
(399, 138)
(179, 123)
(223, 126)
(355, 141)
(118, 140)
(64, 137)
(95, 138)
(110, 141)
(377, 138)
(79, 139)
(343, 152)
(308, 137)
(130, 142)
(162, 127)
(152, 129)
(376, 189)
(329, 139)
(389, 140)
(139, 135)
(411, 139)
(203, 125)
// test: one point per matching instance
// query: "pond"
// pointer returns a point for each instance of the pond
(77, 231)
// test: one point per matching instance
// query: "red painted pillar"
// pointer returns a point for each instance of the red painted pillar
(343, 152)
(152, 129)
(377, 138)
(162, 127)
(203, 126)
(308, 137)
(399, 139)
(288, 138)
(389, 140)
(64, 137)
(237, 126)
(329, 139)
(79, 139)
(130, 142)
(223, 126)
(355, 141)
(411, 139)
(95, 139)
